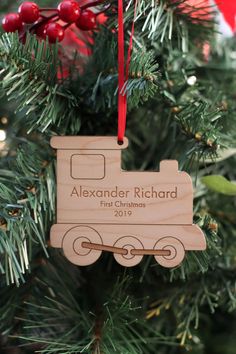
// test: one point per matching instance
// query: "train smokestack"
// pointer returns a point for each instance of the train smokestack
(169, 166)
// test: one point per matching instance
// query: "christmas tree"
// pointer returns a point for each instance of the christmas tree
(61, 78)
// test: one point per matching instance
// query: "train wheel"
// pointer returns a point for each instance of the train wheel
(128, 243)
(73, 249)
(177, 252)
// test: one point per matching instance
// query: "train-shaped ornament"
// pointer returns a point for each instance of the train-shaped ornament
(101, 207)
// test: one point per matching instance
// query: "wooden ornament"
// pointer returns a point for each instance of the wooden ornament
(100, 207)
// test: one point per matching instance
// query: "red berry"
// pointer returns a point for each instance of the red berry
(29, 12)
(69, 11)
(86, 21)
(12, 23)
(54, 32)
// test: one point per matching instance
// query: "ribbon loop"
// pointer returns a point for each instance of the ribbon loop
(123, 73)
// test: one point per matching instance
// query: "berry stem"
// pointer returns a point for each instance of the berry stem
(55, 19)
(67, 25)
(91, 4)
(44, 21)
(47, 9)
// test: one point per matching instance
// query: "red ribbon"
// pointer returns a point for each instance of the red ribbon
(123, 73)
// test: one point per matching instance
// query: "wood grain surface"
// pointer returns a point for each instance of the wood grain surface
(98, 202)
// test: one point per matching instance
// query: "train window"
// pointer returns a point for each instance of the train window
(87, 166)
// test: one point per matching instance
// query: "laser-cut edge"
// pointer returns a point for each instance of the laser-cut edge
(118, 147)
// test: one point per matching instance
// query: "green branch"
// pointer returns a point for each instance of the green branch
(27, 198)
(29, 78)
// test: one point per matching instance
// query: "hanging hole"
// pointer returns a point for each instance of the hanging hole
(120, 142)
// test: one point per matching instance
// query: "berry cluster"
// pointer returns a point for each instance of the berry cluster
(68, 11)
